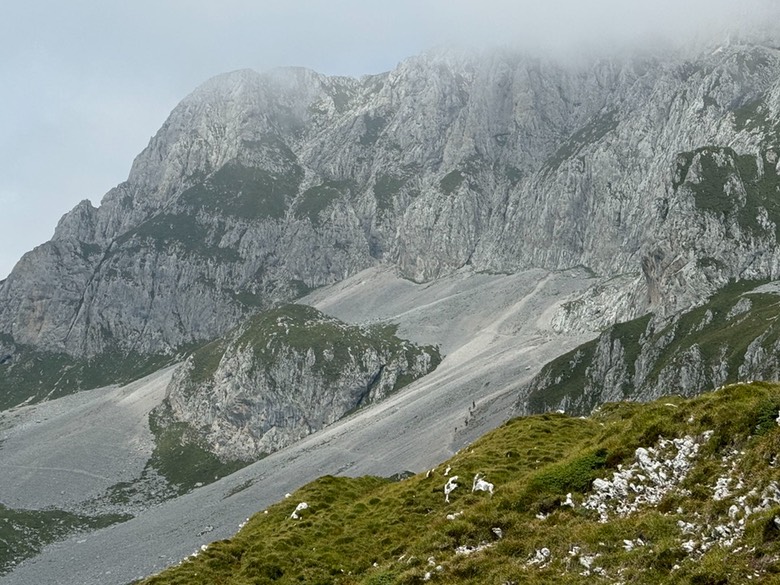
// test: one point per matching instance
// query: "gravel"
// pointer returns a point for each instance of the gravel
(494, 330)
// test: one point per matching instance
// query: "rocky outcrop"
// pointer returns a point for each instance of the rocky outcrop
(259, 187)
(733, 337)
(287, 373)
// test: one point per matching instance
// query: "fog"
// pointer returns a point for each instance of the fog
(85, 83)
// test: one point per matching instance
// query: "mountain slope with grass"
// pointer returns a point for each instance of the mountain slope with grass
(733, 336)
(674, 491)
(658, 169)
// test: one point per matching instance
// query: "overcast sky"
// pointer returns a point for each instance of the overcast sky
(84, 84)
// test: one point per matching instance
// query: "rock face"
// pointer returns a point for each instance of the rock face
(658, 169)
(285, 374)
(732, 337)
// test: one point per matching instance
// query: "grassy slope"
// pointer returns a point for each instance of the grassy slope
(722, 339)
(35, 376)
(304, 328)
(374, 531)
(23, 533)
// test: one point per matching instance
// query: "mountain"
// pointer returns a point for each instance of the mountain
(260, 187)
(485, 213)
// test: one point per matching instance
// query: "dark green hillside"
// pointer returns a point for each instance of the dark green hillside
(732, 337)
(31, 376)
(23, 533)
(334, 343)
(706, 468)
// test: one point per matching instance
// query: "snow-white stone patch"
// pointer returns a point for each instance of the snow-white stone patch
(702, 536)
(467, 550)
(630, 545)
(654, 472)
(541, 557)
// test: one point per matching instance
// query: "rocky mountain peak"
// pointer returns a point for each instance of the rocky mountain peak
(260, 186)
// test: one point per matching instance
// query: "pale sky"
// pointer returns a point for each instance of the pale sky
(84, 84)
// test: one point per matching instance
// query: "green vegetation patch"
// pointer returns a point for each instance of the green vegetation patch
(514, 175)
(386, 188)
(205, 360)
(317, 199)
(596, 129)
(246, 192)
(717, 332)
(181, 457)
(373, 531)
(718, 188)
(333, 342)
(33, 376)
(23, 533)
(567, 376)
(171, 231)
(451, 182)
(374, 127)
(723, 338)
(563, 378)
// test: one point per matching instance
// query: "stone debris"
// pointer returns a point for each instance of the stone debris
(700, 535)
(467, 550)
(541, 557)
(655, 471)
(630, 545)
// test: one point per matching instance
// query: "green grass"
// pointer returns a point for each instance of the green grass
(317, 199)
(205, 360)
(373, 531)
(563, 378)
(23, 533)
(723, 340)
(303, 328)
(181, 457)
(246, 192)
(33, 375)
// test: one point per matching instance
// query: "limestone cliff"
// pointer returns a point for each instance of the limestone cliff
(285, 374)
(732, 337)
(259, 187)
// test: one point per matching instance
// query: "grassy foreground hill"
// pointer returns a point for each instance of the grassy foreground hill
(674, 491)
